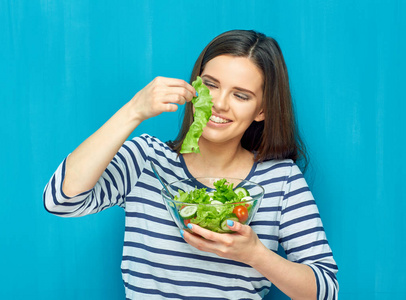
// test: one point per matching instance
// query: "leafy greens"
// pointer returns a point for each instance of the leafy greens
(209, 215)
(202, 114)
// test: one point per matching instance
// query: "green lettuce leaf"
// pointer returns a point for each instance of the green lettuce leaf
(194, 196)
(203, 105)
(224, 191)
(211, 216)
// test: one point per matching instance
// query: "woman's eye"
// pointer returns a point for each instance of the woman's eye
(242, 96)
(209, 84)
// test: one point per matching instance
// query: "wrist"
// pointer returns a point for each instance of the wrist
(259, 254)
(128, 116)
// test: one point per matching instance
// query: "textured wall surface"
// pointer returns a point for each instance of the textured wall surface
(67, 66)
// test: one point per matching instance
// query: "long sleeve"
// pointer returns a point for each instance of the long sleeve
(302, 234)
(111, 189)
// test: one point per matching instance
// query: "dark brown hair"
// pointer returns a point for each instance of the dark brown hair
(277, 136)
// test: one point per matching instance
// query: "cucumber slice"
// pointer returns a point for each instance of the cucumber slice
(217, 205)
(188, 212)
(215, 202)
(223, 223)
(242, 191)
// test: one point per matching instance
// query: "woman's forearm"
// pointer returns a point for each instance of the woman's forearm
(87, 162)
(295, 280)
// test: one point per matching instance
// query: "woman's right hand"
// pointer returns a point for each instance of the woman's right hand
(87, 163)
(161, 95)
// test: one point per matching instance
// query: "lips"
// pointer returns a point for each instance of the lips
(218, 119)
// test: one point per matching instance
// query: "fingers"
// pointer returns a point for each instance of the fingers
(174, 82)
(199, 238)
(176, 90)
(169, 107)
(237, 227)
(210, 241)
(170, 102)
(160, 95)
(177, 95)
(237, 246)
(202, 232)
(222, 244)
(214, 236)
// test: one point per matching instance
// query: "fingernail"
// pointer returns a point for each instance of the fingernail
(181, 233)
(230, 223)
(190, 226)
(197, 95)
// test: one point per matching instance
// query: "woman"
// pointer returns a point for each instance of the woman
(250, 135)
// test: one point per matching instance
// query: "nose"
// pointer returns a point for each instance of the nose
(220, 101)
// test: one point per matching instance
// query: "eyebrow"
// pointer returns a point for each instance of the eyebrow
(236, 87)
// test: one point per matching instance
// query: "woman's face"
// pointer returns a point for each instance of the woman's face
(236, 85)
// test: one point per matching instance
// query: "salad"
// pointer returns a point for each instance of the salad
(202, 104)
(211, 210)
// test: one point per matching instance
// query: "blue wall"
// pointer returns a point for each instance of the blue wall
(67, 66)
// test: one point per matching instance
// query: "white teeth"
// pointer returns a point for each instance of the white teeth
(216, 119)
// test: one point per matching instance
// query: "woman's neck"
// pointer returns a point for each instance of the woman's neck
(220, 160)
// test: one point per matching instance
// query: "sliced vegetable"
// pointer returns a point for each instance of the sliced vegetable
(241, 192)
(188, 212)
(215, 202)
(224, 202)
(241, 212)
(247, 198)
(217, 205)
(223, 224)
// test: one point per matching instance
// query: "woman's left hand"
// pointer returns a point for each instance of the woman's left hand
(294, 279)
(239, 246)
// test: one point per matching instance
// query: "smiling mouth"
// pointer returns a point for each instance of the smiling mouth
(218, 120)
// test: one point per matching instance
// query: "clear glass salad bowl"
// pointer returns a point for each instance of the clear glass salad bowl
(210, 202)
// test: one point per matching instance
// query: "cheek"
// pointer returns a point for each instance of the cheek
(213, 93)
(247, 113)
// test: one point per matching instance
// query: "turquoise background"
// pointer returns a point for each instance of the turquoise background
(67, 66)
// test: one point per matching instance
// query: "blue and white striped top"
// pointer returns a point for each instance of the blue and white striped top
(157, 263)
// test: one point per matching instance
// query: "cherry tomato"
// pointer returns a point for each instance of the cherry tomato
(187, 221)
(241, 212)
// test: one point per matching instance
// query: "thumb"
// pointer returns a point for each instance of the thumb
(238, 227)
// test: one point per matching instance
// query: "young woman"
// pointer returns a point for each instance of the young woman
(251, 135)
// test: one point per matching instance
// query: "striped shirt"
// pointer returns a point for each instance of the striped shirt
(157, 263)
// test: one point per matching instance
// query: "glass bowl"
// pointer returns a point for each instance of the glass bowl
(235, 199)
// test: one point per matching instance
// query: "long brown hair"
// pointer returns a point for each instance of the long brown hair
(276, 137)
